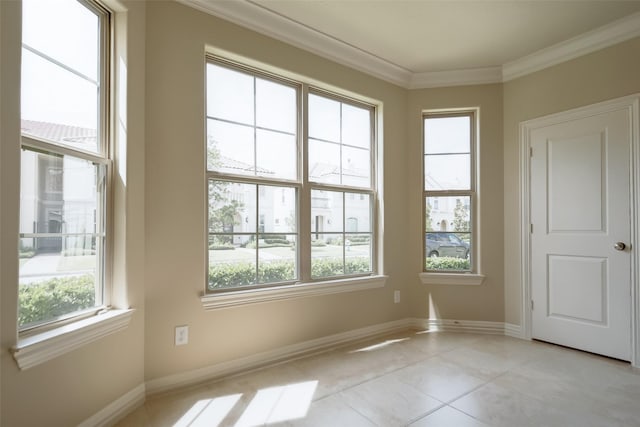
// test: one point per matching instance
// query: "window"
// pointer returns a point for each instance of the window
(449, 191)
(306, 195)
(64, 161)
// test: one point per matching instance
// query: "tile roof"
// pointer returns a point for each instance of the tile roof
(74, 136)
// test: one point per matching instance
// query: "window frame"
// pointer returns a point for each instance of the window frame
(431, 276)
(304, 186)
(102, 158)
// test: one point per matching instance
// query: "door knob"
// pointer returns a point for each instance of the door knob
(619, 246)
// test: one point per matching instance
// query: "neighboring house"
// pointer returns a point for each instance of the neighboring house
(59, 198)
(442, 211)
(276, 215)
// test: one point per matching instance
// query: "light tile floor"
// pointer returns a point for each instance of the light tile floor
(422, 379)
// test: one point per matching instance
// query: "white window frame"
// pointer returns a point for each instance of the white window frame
(304, 285)
(454, 277)
(42, 342)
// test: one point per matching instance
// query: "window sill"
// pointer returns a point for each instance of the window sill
(299, 290)
(36, 349)
(451, 279)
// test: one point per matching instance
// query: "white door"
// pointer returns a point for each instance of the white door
(580, 237)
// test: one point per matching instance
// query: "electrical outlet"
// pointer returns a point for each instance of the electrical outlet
(396, 296)
(182, 335)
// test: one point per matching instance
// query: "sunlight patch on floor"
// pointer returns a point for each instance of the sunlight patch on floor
(208, 412)
(380, 345)
(276, 404)
(269, 405)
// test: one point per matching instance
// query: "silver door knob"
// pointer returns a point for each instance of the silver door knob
(619, 246)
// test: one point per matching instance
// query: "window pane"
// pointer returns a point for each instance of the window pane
(447, 172)
(277, 154)
(58, 194)
(275, 106)
(447, 135)
(277, 258)
(57, 278)
(326, 212)
(64, 30)
(324, 118)
(448, 251)
(232, 261)
(324, 162)
(358, 253)
(277, 209)
(58, 105)
(356, 126)
(450, 213)
(357, 213)
(356, 164)
(232, 207)
(230, 148)
(448, 236)
(230, 95)
(327, 255)
(59, 274)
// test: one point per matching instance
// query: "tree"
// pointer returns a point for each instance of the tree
(460, 217)
(427, 217)
(224, 212)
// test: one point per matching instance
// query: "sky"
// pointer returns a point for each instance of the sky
(67, 33)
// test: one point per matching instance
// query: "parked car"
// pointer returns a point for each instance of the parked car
(446, 244)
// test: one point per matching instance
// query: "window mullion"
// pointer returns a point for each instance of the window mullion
(304, 206)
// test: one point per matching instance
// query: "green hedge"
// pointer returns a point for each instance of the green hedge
(447, 263)
(55, 297)
(243, 274)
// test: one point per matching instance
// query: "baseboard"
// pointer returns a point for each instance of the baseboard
(271, 357)
(514, 331)
(472, 326)
(120, 407)
(117, 409)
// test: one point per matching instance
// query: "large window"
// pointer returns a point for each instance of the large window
(449, 191)
(291, 190)
(64, 161)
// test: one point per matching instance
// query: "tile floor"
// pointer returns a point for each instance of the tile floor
(422, 379)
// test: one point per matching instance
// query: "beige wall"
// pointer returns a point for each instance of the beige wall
(603, 75)
(483, 302)
(175, 227)
(73, 387)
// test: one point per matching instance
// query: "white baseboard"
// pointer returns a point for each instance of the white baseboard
(514, 331)
(117, 409)
(472, 326)
(271, 357)
(135, 397)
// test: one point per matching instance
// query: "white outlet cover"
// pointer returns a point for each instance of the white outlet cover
(182, 335)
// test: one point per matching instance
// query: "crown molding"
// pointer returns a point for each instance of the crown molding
(257, 18)
(591, 41)
(475, 76)
(264, 21)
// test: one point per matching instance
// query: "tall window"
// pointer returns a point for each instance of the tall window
(282, 205)
(64, 160)
(449, 190)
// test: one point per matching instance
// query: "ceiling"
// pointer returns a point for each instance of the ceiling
(427, 43)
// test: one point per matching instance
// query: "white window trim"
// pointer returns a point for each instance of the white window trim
(451, 279)
(39, 348)
(43, 332)
(227, 299)
(473, 277)
(304, 187)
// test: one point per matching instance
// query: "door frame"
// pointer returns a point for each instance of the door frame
(630, 103)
